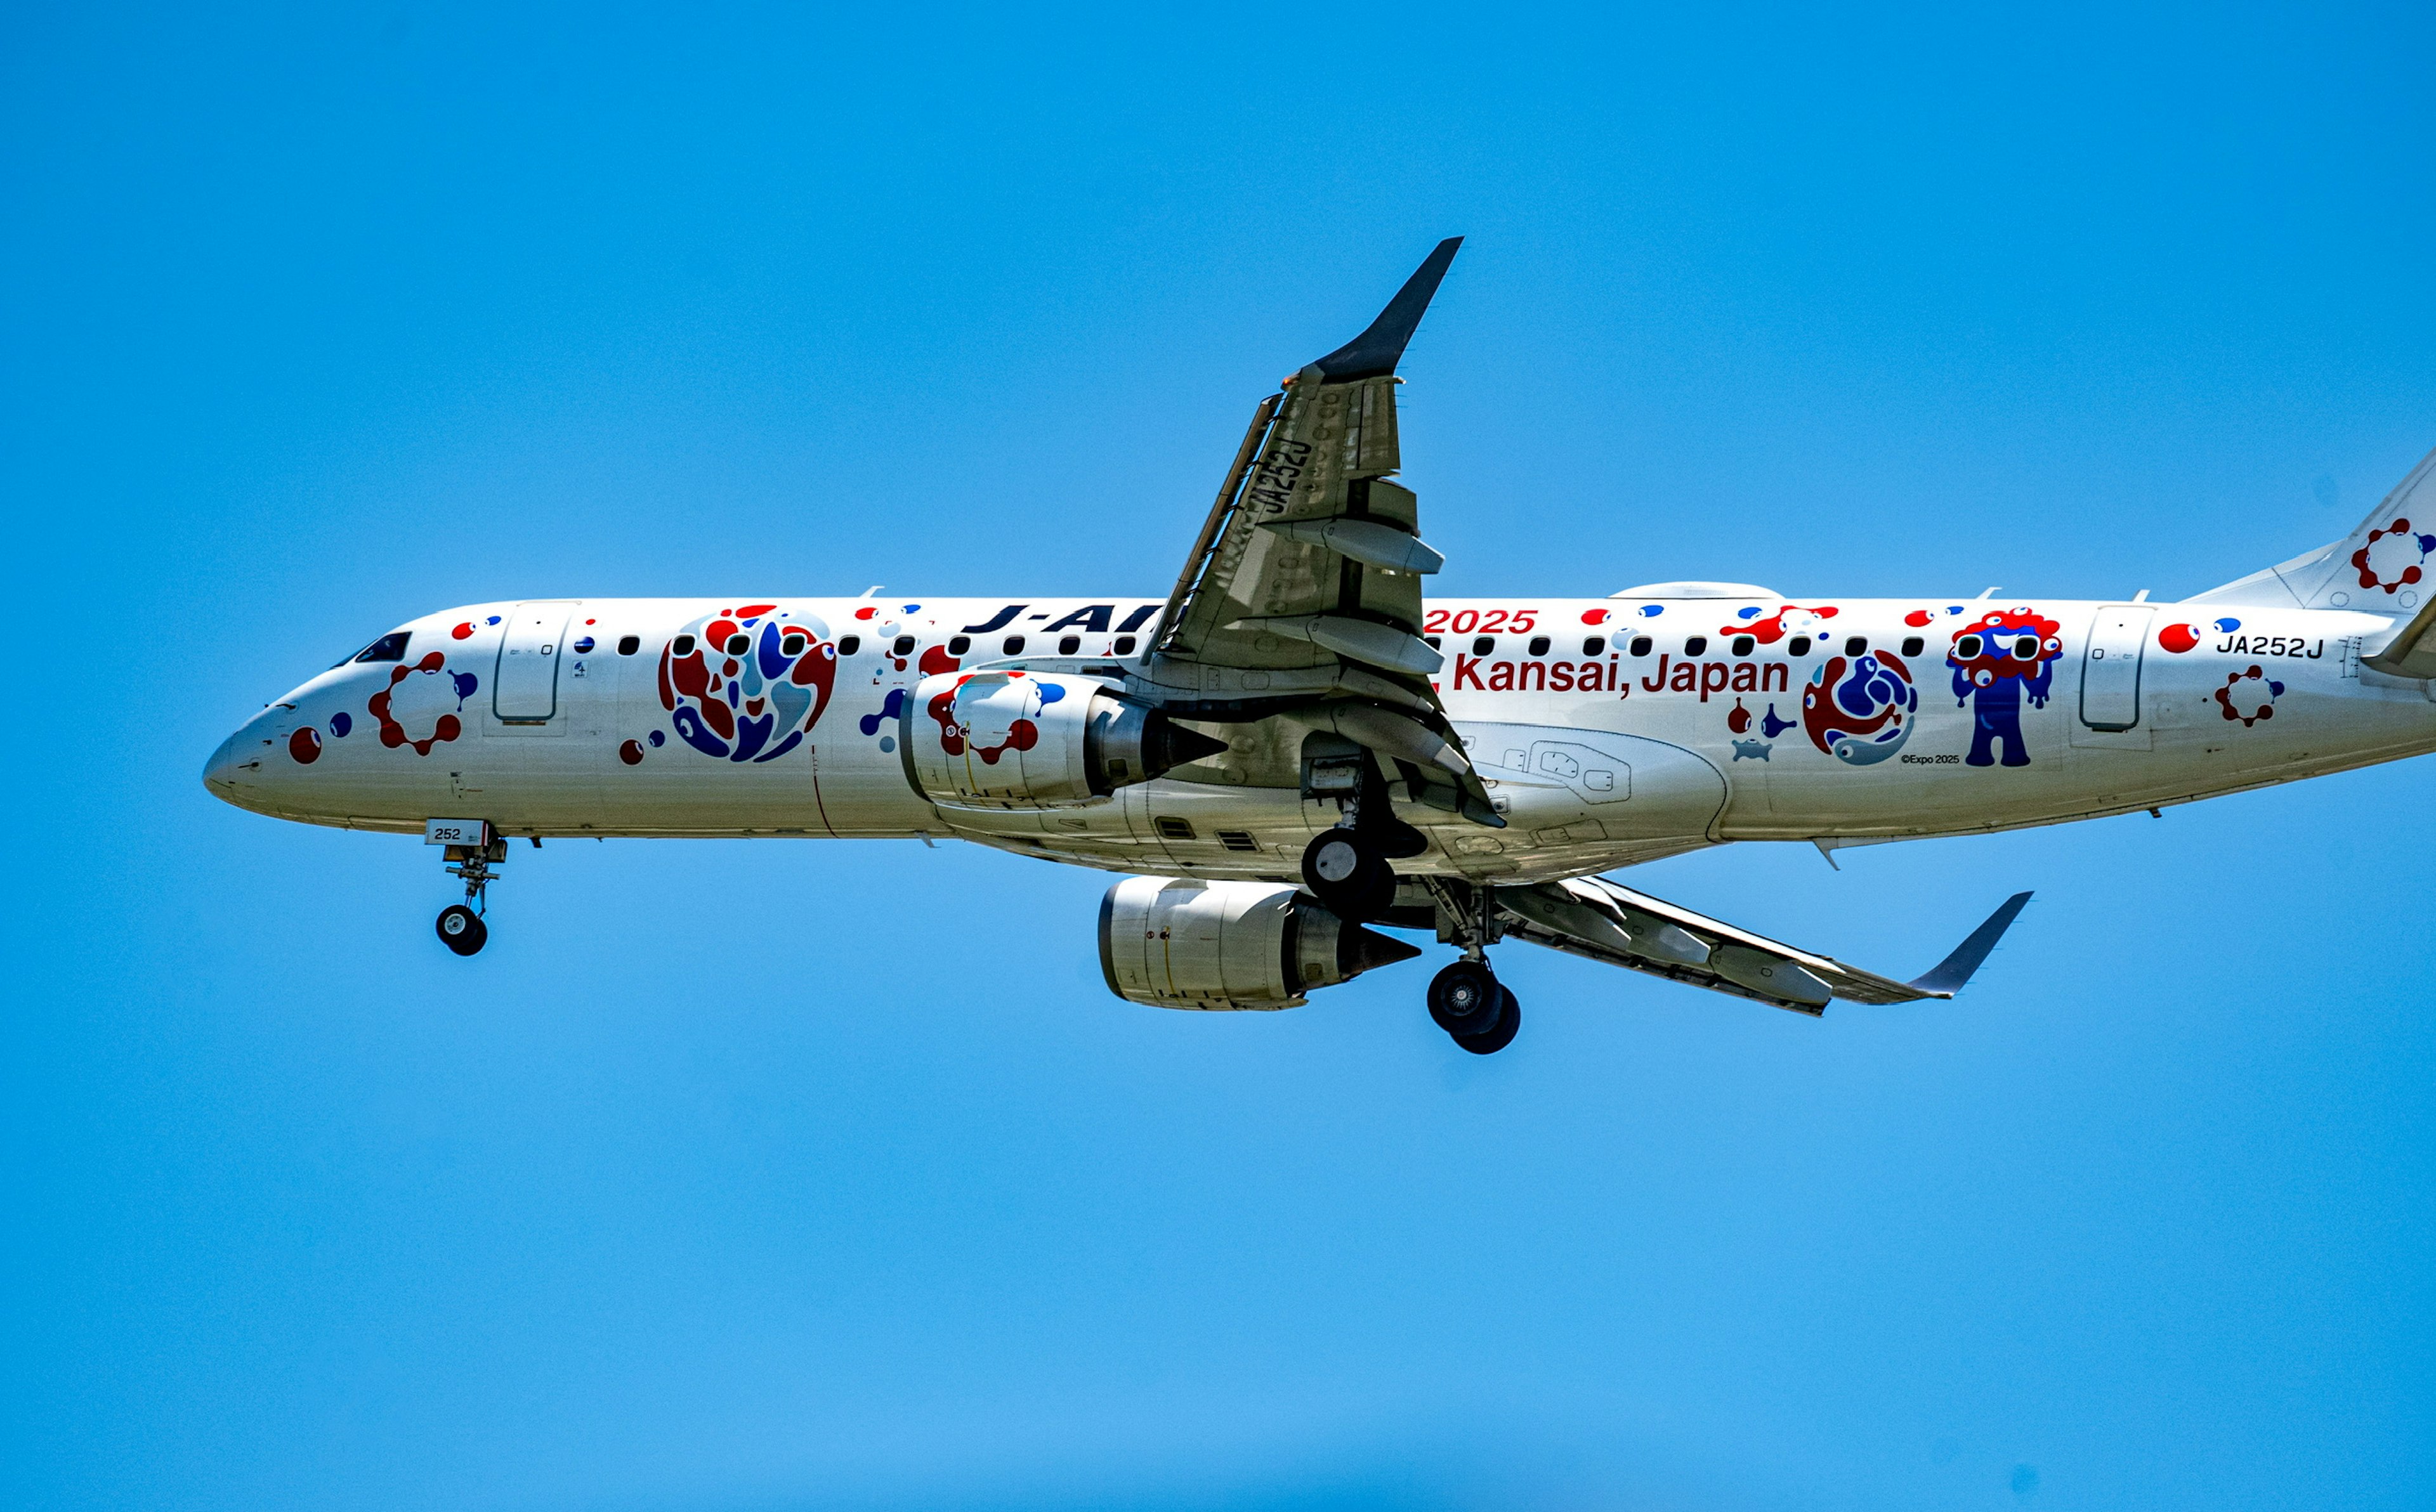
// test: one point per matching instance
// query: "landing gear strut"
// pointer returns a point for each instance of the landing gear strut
(1478, 1012)
(460, 925)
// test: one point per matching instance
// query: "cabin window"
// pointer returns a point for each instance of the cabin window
(1594, 646)
(1912, 644)
(1433, 640)
(1011, 645)
(1743, 645)
(390, 648)
(683, 646)
(1483, 645)
(960, 645)
(1069, 645)
(850, 645)
(1539, 645)
(2027, 648)
(738, 644)
(1640, 646)
(1966, 648)
(790, 647)
(1124, 644)
(629, 645)
(1695, 646)
(901, 646)
(1797, 646)
(1855, 645)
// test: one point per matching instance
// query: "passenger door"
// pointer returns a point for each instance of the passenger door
(2109, 666)
(524, 690)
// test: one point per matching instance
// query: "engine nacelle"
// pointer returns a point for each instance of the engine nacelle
(1176, 943)
(1020, 739)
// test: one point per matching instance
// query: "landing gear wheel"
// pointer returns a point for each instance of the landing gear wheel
(1348, 876)
(1465, 999)
(461, 929)
(1509, 1023)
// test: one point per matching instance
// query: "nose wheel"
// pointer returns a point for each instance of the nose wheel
(461, 930)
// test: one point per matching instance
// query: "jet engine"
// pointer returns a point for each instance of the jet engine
(1177, 943)
(1020, 739)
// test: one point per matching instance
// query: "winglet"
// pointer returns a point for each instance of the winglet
(1375, 353)
(1951, 973)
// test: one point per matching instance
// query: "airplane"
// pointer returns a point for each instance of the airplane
(1295, 749)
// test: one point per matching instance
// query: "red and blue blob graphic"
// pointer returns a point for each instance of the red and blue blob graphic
(751, 684)
(2181, 639)
(998, 724)
(2248, 695)
(1790, 619)
(305, 745)
(1859, 711)
(2392, 558)
(422, 696)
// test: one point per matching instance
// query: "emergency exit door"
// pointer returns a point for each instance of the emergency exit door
(525, 689)
(2109, 666)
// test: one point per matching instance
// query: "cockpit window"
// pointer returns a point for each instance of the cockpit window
(390, 648)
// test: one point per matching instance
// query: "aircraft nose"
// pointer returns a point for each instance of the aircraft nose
(233, 766)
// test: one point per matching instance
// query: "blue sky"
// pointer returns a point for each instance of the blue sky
(316, 322)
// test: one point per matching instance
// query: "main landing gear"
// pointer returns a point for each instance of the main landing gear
(1347, 871)
(1351, 868)
(461, 924)
(1478, 1012)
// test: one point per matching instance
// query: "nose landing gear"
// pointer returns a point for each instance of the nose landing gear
(460, 925)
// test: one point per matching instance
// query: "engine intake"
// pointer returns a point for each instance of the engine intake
(1020, 739)
(1176, 943)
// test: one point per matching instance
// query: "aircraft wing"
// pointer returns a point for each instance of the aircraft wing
(1304, 589)
(1591, 917)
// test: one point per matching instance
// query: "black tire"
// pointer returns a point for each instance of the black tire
(1465, 999)
(1509, 1022)
(461, 929)
(1351, 879)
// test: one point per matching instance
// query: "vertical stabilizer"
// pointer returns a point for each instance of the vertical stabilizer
(2387, 565)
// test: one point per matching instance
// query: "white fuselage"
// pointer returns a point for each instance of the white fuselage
(1607, 731)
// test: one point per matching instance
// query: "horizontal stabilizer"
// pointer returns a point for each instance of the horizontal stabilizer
(1949, 974)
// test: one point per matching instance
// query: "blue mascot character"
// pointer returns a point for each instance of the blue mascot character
(1999, 659)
